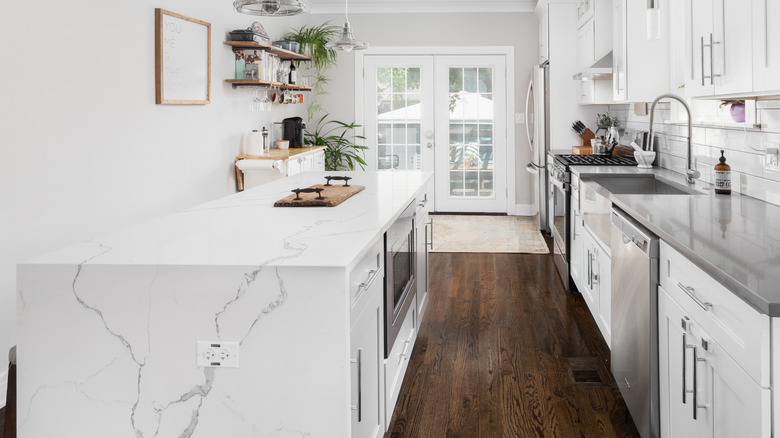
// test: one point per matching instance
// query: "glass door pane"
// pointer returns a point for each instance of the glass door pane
(398, 116)
(471, 119)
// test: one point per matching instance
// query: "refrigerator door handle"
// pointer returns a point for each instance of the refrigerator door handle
(528, 115)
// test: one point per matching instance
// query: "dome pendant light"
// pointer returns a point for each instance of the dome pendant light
(271, 8)
(346, 40)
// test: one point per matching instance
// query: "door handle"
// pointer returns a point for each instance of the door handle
(429, 145)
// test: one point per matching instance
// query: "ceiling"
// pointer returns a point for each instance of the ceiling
(411, 6)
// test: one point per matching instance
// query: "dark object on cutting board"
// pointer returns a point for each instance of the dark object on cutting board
(337, 178)
(316, 190)
(325, 196)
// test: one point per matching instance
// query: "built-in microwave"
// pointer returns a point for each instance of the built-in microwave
(400, 273)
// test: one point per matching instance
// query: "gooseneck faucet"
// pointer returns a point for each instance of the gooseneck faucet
(690, 171)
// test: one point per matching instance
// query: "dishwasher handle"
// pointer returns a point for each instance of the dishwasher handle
(632, 232)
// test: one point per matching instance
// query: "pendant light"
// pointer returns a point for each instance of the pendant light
(271, 8)
(346, 41)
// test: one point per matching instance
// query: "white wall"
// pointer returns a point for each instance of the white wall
(449, 29)
(84, 150)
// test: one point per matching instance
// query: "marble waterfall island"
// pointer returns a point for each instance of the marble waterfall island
(107, 329)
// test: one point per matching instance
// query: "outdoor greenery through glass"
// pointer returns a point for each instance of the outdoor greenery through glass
(398, 118)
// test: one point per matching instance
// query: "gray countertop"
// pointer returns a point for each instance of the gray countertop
(734, 238)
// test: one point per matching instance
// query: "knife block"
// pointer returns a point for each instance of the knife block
(587, 135)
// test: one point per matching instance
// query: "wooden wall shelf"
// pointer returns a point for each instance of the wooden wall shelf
(258, 83)
(281, 53)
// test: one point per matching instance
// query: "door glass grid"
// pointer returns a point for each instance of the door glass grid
(398, 118)
(471, 172)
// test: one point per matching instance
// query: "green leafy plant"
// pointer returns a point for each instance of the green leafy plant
(341, 152)
(468, 153)
(312, 40)
(605, 121)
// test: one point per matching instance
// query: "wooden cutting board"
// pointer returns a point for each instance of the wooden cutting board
(331, 196)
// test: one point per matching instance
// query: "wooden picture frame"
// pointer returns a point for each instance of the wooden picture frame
(182, 54)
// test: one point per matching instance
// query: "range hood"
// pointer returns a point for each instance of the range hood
(601, 69)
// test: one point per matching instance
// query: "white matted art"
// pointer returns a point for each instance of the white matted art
(182, 59)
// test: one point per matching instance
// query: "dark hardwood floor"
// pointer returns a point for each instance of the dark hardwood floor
(504, 351)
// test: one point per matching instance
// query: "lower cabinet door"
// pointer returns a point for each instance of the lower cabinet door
(676, 374)
(366, 367)
(604, 318)
(577, 250)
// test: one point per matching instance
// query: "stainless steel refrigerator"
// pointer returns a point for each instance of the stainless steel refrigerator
(537, 114)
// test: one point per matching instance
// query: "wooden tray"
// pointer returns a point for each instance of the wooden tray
(332, 196)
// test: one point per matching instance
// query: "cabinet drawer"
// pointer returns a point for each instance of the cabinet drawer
(398, 360)
(367, 275)
(740, 330)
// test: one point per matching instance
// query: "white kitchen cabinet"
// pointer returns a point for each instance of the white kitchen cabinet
(424, 237)
(398, 360)
(311, 162)
(577, 249)
(597, 287)
(586, 50)
(766, 45)
(640, 67)
(544, 35)
(703, 391)
(367, 344)
(718, 55)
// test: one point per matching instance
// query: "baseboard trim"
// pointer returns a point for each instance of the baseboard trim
(524, 210)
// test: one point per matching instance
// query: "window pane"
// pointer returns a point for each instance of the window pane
(383, 134)
(486, 157)
(486, 184)
(456, 80)
(485, 80)
(456, 183)
(383, 75)
(472, 133)
(399, 80)
(485, 133)
(412, 158)
(413, 133)
(470, 80)
(399, 133)
(456, 155)
(456, 133)
(456, 106)
(471, 184)
(383, 104)
(413, 79)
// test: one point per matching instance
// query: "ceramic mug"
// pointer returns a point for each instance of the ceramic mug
(283, 144)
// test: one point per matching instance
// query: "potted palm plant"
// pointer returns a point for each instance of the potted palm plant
(312, 40)
(341, 151)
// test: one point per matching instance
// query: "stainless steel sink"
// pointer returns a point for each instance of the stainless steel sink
(642, 185)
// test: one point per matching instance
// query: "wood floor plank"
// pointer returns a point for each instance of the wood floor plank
(495, 354)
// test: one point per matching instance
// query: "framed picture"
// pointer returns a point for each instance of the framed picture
(182, 59)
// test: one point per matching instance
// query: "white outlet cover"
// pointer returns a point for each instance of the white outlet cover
(519, 118)
(219, 354)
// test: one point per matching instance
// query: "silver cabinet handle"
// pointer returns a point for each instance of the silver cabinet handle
(359, 362)
(689, 291)
(590, 272)
(372, 274)
(702, 61)
(712, 60)
(403, 352)
(696, 360)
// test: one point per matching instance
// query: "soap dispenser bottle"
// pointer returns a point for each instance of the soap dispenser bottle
(722, 176)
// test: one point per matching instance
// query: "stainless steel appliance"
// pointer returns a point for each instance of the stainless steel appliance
(400, 273)
(560, 178)
(537, 105)
(292, 129)
(635, 320)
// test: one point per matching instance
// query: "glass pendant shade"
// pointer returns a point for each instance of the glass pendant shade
(653, 20)
(346, 41)
(272, 8)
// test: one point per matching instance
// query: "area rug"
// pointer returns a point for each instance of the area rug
(505, 234)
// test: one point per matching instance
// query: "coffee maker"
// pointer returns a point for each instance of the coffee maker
(292, 129)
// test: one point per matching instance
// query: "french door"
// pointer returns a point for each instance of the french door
(445, 114)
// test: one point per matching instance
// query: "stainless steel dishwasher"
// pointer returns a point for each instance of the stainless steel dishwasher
(635, 320)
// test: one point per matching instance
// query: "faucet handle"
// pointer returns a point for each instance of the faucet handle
(693, 173)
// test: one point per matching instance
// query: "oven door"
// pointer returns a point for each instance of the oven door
(559, 214)
(400, 274)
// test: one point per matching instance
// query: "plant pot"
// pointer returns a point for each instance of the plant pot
(737, 111)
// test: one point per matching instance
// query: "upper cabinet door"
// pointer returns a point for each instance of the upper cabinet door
(733, 61)
(698, 62)
(585, 11)
(766, 45)
(619, 50)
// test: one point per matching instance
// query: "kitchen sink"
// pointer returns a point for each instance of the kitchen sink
(642, 185)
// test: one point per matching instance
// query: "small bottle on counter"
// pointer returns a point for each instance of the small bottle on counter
(266, 144)
(722, 176)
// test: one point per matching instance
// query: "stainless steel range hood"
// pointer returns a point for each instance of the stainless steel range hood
(601, 69)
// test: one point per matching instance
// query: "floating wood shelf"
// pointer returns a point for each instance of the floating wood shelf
(284, 54)
(259, 83)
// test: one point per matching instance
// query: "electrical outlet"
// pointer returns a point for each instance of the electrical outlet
(217, 354)
(771, 155)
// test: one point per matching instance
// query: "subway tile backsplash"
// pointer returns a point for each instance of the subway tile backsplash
(744, 147)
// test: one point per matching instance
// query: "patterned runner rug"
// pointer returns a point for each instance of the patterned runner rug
(507, 234)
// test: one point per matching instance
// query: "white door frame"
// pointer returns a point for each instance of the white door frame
(507, 51)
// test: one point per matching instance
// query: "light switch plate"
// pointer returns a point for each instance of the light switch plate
(519, 118)
(217, 354)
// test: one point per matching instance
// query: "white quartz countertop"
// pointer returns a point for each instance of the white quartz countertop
(734, 238)
(246, 229)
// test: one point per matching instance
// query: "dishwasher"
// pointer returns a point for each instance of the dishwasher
(635, 320)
